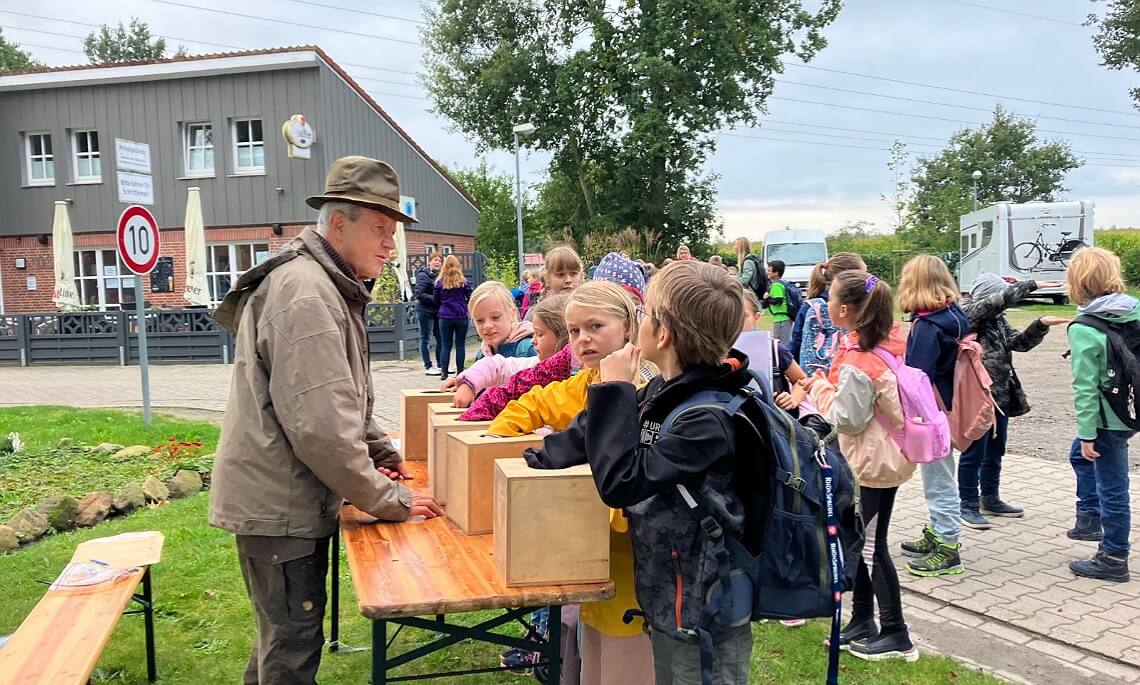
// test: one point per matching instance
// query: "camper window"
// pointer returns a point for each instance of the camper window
(973, 240)
(987, 232)
(965, 244)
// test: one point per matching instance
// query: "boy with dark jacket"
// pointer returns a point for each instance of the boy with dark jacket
(691, 316)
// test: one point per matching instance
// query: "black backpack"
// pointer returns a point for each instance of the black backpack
(759, 282)
(802, 521)
(1123, 368)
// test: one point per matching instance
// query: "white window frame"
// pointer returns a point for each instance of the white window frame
(430, 248)
(233, 273)
(449, 249)
(252, 145)
(98, 280)
(188, 147)
(76, 155)
(30, 159)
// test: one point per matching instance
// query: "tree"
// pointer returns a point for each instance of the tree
(15, 58)
(125, 44)
(1015, 167)
(1118, 37)
(625, 95)
(902, 191)
(497, 232)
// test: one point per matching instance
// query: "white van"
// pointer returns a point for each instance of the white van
(799, 249)
(1018, 242)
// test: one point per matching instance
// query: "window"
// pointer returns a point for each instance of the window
(198, 149)
(102, 281)
(965, 244)
(797, 254)
(87, 166)
(448, 249)
(41, 161)
(973, 241)
(249, 147)
(430, 247)
(228, 262)
(987, 233)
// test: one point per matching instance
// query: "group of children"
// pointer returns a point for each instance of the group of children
(607, 360)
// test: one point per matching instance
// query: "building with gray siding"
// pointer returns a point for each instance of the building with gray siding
(212, 122)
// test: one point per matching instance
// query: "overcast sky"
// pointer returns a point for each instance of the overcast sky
(802, 169)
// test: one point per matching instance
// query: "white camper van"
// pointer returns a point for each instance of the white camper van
(1018, 242)
(798, 249)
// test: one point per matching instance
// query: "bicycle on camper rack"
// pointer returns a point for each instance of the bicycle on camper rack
(1030, 254)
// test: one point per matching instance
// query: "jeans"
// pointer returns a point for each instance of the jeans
(679, 663)
(1102, 487)
(876, 576)
(453, 333)
(940, 485)
(782, 331)
(983, 458)
(429, 325)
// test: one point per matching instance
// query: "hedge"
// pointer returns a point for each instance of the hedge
(1126, 245)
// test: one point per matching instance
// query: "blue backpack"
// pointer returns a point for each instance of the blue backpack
(821, 338)
(802, 520)
(792, 297)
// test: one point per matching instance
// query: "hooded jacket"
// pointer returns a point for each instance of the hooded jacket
(636, 469)
(999, 340)
(933, 347)
(424, 290)
(298, 437)
(519, 343)
(560, 366)
(859, 393)
(1090, 363)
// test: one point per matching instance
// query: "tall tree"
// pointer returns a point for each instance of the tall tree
(15, 58)
(134, 43)
(1015, 166)
(627, 91)
(497, 232)
(1118, 37)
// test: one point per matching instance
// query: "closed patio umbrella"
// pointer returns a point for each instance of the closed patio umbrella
(63, 294)
(197, 287)
(402, 263)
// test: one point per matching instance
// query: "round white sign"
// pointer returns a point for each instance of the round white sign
(137, 239)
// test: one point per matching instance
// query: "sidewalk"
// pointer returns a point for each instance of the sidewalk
(1017, 611)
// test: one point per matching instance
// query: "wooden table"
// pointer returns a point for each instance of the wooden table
(405, 571)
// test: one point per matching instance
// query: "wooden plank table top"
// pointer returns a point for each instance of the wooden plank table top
(431, 567)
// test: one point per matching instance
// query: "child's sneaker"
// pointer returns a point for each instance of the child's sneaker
(971, 518)
(519, 661)
(793, 622)
(924, 545)
(943, 561)
(1102, 567)
(896, 645)
(995, 507)
(861, 630)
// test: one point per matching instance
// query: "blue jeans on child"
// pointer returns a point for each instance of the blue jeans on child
(429, 326)
(983, 458)
(1102, 487)
(453, 333)
(940, 485)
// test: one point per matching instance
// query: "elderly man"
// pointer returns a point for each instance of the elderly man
(298, 436)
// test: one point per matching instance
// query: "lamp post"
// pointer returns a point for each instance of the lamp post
(976, 175)
(523, 130)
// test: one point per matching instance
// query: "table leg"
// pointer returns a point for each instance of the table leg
(379, 652)
(554, 645)
(334, 591)
(148, 627)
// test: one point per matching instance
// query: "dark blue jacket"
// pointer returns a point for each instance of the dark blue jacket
(798, 327)
(424, 291)
(933, 347)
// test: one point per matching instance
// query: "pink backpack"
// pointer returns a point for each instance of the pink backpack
(974, 409)
(925, 436)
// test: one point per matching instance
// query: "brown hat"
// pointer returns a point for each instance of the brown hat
(363, 181)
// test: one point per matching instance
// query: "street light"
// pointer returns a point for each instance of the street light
(523, 130)
(976, 176)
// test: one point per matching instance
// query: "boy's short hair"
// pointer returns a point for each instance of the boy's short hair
(1094, 271)
(496, 292)
(562, 258)
(777, 266)
(701, 305)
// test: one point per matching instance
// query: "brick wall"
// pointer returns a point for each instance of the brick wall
(17, 298)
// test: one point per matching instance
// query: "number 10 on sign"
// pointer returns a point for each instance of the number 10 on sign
(138, 243)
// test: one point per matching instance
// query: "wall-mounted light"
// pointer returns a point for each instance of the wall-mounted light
(277, 229)
(43, 238)
(21, 263)
(69, 201)
(279, 189)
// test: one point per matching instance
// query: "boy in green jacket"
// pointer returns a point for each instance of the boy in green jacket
(1099, 454)
(777, 301)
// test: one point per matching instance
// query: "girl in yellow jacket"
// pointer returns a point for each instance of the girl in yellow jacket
(600, 318)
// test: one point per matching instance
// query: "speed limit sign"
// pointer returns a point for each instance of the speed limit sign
(137, 238)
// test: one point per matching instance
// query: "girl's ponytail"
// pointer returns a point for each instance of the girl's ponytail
(874, 303)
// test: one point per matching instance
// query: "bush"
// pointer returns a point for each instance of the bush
(884, 254)
(1126, 245)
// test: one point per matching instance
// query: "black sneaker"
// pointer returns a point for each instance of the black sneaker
(896, 645)
(922, 546)
(972, 519)
(995, 507)
(1102, 567)
(855, 630)
(1088, 528)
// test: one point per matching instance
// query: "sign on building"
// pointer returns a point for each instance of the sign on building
(132, 156)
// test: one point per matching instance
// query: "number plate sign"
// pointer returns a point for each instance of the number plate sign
(137, 239)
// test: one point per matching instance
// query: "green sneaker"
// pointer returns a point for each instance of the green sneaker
(943, 561)
(924, 545)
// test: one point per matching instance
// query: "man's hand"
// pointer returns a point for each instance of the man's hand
(449, 385)
(464, 396)
(1088, 451)
(399, 472)
(426, 506)
(622, 365)
(1054, 320)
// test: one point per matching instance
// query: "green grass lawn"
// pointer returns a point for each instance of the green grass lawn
(204, 627)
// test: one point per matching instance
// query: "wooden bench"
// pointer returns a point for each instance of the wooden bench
(63, 637)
